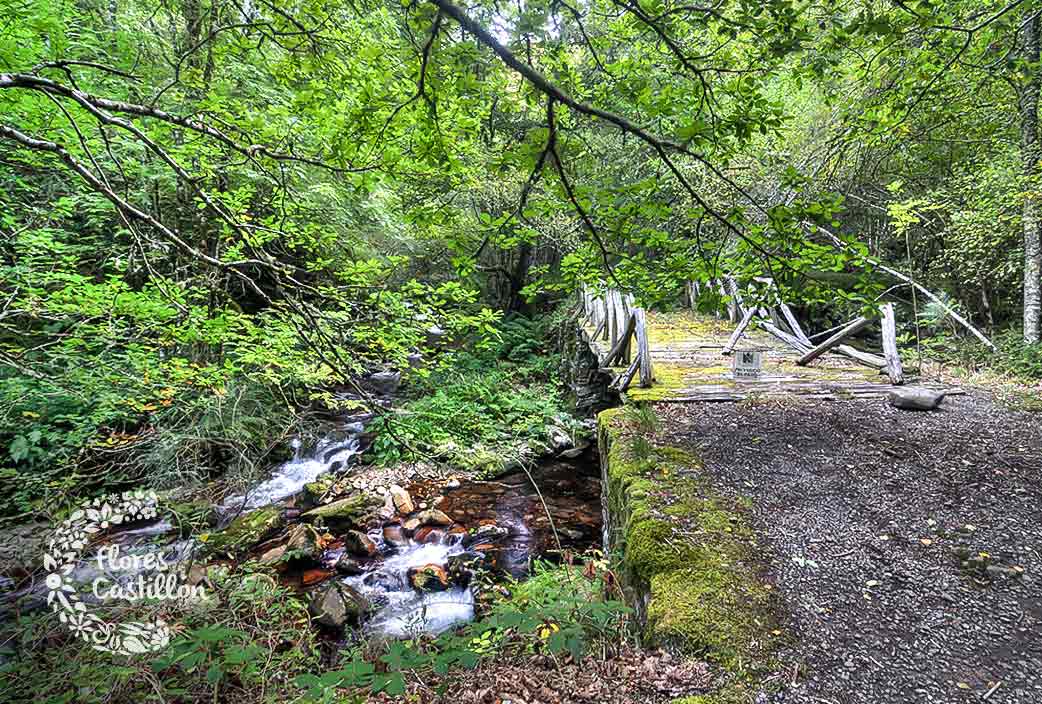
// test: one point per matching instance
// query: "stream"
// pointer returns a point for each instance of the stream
(457, 526)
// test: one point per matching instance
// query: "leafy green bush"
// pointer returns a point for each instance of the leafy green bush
(481, 407)
(1013, 356)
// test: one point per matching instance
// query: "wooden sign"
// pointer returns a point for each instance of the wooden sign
(747, 365)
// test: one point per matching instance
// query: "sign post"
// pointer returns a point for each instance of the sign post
(747, 365)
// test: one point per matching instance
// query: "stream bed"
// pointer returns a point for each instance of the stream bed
(417, 568)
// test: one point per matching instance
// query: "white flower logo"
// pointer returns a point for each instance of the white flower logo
(66, 546)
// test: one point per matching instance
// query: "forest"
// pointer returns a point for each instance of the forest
(230, 229)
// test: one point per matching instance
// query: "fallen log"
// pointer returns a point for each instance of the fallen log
(738, 332)
(785, 337)
(858, 324)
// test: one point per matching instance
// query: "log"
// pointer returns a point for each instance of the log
(794, 325)
(738, 332)
(866, 358)
(623, 382)
(858, 324)
(890, 353)
(621, 348)
(643, 355)
(785, 337)
(911, 282)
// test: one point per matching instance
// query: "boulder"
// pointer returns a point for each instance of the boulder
(336, 604)
(434, 517)
(244, 532)
(349, 566)
(916, 398)
(559, 439)
(428, 578)
(384, 383)
(402, 501)
(359, 544)
(316, 490)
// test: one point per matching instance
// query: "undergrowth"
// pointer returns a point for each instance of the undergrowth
(482, 408)
(250, 641)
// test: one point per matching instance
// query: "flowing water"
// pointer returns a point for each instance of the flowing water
(554, 508)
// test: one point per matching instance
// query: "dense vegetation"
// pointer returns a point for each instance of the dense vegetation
(216, 216)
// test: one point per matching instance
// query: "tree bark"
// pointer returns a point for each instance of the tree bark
(1031, 214)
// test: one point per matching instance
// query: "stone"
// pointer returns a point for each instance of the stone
(244, 532)
(411, 524)
(394, 535)
(559, 439)
(384, 383)
(304, 540)
(348, 508)
(576, 451)
(316, 490)
(336, 604)
(429, 534)
(485, 534)
(401, 500)
(359, 544)
(915, 398)
(460, 570)
(434, 517)
(415, 360)
(428, 578)
(349, 566)
(452, 484)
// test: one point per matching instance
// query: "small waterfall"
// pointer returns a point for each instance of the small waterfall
(401, 611)
(329, 455)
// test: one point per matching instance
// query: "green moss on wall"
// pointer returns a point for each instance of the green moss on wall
(686, 555)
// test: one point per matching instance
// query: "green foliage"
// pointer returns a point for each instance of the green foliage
(558, 610)
(1013, 358)
(242, 644)
(480, 409)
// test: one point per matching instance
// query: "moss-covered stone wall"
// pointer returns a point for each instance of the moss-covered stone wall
(685, 555)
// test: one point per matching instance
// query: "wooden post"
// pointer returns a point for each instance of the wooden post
(621, 348)
(643, 348)
(739, 331)
(857, 325)
(890, 353)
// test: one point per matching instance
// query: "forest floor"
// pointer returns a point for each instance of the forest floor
(906, 547)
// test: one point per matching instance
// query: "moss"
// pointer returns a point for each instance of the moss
(686, 556)
(244, 532)
(348, 508)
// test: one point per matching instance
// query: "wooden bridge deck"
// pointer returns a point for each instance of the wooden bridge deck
(689, 365)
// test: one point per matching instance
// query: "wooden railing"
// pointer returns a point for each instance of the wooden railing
(776, 317)
(618, 322)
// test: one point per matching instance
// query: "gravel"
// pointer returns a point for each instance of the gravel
(905, 546)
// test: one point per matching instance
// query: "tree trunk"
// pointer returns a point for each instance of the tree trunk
(1031, 214)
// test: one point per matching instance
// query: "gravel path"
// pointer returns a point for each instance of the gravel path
(907, 547)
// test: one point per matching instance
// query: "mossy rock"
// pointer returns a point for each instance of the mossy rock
(342, 509)
(243, 533)
(316, 490)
